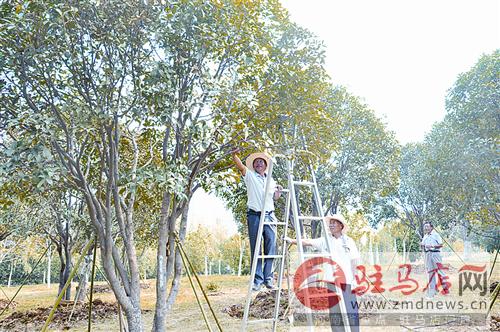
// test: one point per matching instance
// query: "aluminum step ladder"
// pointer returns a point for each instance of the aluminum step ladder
(291, 201)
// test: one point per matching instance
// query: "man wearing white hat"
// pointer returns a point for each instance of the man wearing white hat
(255, 176)
(345, 253)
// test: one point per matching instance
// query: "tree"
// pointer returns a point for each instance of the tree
(465, 145)
(231, 250)
(413, 196)
(451, 178)
(200, 245)
(140, 103)
(364, 155)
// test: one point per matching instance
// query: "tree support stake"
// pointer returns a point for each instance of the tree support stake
(24, 281)
(177, 240)
(68, 282)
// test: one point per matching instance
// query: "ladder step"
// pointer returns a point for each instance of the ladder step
(315, 254)
(285, 191)
(310, 218)
(274, 223)
(270, 256)
(260, 320)
(303, 183)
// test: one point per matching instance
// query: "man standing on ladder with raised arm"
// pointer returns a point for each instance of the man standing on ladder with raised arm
(254, 175)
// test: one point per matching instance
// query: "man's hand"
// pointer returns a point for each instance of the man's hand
(237, 161)
(277, 192)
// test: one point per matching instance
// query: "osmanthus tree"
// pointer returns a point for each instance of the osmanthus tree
(412, 201)
(34, 202)
(136, 104)
(452, 177)
(362, 167)
(222, 98)
(464, 152)
(290, 98)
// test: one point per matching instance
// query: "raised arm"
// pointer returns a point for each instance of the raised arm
(305, 242)
(238, 162)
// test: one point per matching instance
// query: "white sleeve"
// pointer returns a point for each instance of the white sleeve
(438, 238)
(273, 185)
(353, 249)
(318, 244)
(247, 175)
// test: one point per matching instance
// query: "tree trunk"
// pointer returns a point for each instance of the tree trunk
(62, 269)
(242, 248)
(49, 264)
(81, 289)
(467, 242)
(404, 251)
(134, 318)
(315, 224)
(176, 282)
(161, 266)
(66, 267)
(206, 265)
(10, 273)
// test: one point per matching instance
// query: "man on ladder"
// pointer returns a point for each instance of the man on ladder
(254, 176)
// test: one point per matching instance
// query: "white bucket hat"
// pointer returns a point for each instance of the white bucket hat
(340, 219)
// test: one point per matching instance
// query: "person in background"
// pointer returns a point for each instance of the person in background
(432, 244)
(255, 176)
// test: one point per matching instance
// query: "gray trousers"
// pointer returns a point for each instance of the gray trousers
(433, 270)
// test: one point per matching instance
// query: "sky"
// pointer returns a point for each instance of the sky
(399, 56)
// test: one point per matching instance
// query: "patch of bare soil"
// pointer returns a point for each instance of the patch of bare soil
(493, 285)
(17, 321)
(4, 303)
(420, 268)
(106, 289)
(495, 323)
(262, 306)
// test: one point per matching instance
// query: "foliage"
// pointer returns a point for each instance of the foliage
(138, 104)
(230, 253)
(362, 167)
(452, 178)
(200, 244)
(212, 287)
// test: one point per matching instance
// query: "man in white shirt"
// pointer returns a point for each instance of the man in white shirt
(432, 244)
(255, 176)
(345, 253)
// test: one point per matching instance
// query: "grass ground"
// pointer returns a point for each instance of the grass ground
(185, 315)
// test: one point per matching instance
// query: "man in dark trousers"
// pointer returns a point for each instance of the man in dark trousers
(255, 177)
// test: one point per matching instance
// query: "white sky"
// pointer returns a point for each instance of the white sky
(399, 56)
(210, 212)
